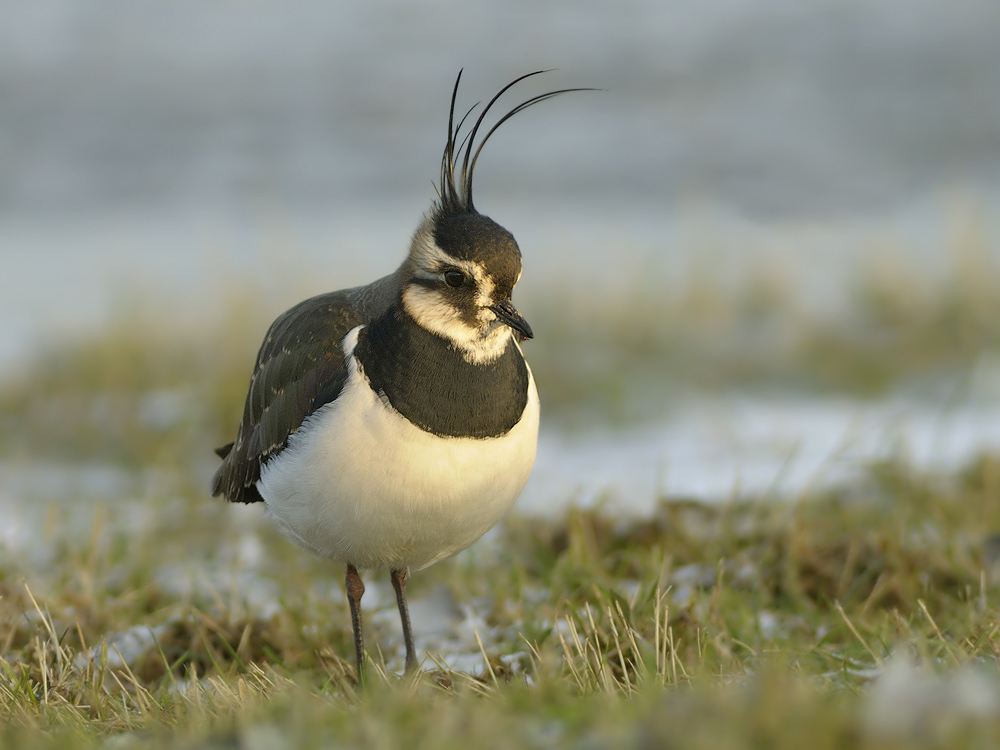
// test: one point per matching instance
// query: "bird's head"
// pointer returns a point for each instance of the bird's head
(463, 266)
(461, 273)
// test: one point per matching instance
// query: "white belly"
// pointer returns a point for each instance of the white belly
(360, 484)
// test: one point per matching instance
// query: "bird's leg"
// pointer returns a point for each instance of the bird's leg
(355, 590)
(399, 578)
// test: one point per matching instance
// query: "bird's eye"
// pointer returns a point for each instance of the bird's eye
(454, 278)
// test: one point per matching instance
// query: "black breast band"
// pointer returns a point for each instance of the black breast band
(427, 380)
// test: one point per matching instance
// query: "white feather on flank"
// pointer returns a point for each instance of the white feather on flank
(479, 344)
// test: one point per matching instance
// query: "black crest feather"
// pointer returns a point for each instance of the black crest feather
(456, 194)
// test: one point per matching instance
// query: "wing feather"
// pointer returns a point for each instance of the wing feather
(300, 367)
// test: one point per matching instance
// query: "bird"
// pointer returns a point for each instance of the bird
(390, 426)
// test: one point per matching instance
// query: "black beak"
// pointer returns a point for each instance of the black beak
(506, 312)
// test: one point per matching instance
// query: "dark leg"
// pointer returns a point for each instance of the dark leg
(355, 590)
(399, 579)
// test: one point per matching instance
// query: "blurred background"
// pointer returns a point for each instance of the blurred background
(764, 253)
(174, 145)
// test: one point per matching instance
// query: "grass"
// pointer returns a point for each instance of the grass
(864, 615)
(740, 626)
(902, 325)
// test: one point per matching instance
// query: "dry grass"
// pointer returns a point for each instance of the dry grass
(771, 618)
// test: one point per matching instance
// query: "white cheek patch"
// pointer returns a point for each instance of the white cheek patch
(429, 309)
(478, 344)
(484, 290)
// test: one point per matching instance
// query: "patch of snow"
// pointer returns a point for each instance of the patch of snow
(911, 700)
(124, 647)
(730, 447)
